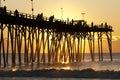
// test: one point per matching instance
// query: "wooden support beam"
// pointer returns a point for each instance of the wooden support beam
(2, 48)
(101, 46)
(84, 46)
(19, 44)
(109, 40)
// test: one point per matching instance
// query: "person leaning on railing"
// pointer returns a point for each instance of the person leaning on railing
(40, 17)
(3, 10)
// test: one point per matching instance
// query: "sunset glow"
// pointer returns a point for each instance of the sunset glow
(73, 9)
(66, 68)
(14, 69)
(60, 39)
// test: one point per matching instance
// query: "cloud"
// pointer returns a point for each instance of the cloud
(115, 38)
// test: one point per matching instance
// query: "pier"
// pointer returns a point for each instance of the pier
(35, 39)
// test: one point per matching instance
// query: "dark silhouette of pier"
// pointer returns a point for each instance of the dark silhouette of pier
(37, 39)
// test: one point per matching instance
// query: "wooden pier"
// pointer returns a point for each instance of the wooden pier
(37, 39)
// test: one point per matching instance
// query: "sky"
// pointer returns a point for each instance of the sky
(97, 11)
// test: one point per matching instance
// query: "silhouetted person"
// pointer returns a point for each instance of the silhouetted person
(5, 9)
(106, 26)
(16, 13)
(67, 20)
(79, 23)
(22, 15)
(39, 17)
(0, 9)
(72, 21)
(101, 25)
(51, 18)
(84, 24)
(92, 24)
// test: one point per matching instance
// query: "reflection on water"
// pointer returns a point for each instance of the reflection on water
(105, 65)
(115, 65)
(66, 68)
(97, 66)
(33, 78)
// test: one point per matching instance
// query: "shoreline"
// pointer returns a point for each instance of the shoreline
(53, 73)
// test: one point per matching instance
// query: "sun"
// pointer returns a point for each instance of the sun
(66, 68)
(14, 69)
(96, 37)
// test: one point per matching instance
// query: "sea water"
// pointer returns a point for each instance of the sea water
(37, 78)
(104, 65)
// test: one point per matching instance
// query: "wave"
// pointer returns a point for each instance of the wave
(53, 73)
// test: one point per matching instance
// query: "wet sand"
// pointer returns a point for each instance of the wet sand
(86, 73)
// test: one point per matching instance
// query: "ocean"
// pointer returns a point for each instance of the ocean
(97, 66)
(36, 78)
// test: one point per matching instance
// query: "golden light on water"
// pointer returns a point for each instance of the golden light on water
(64, 62)
(66, 68)
(96, 37)
(14, 69)
(27, 69)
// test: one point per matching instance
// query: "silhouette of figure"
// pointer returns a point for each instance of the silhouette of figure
(92, 24)
(0, 9)
(5, 9)
(51, 18)
(85, 24)
(22, 15)
(39, 17)
(72, 21)
(106, 26)
(79, 23)
(101, 25)
(16, 13)
(67, 20)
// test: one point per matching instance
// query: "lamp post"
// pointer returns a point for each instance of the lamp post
(83, 15)
(61, 13)
(32, 7)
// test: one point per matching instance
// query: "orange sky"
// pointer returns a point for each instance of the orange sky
(98, 11)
